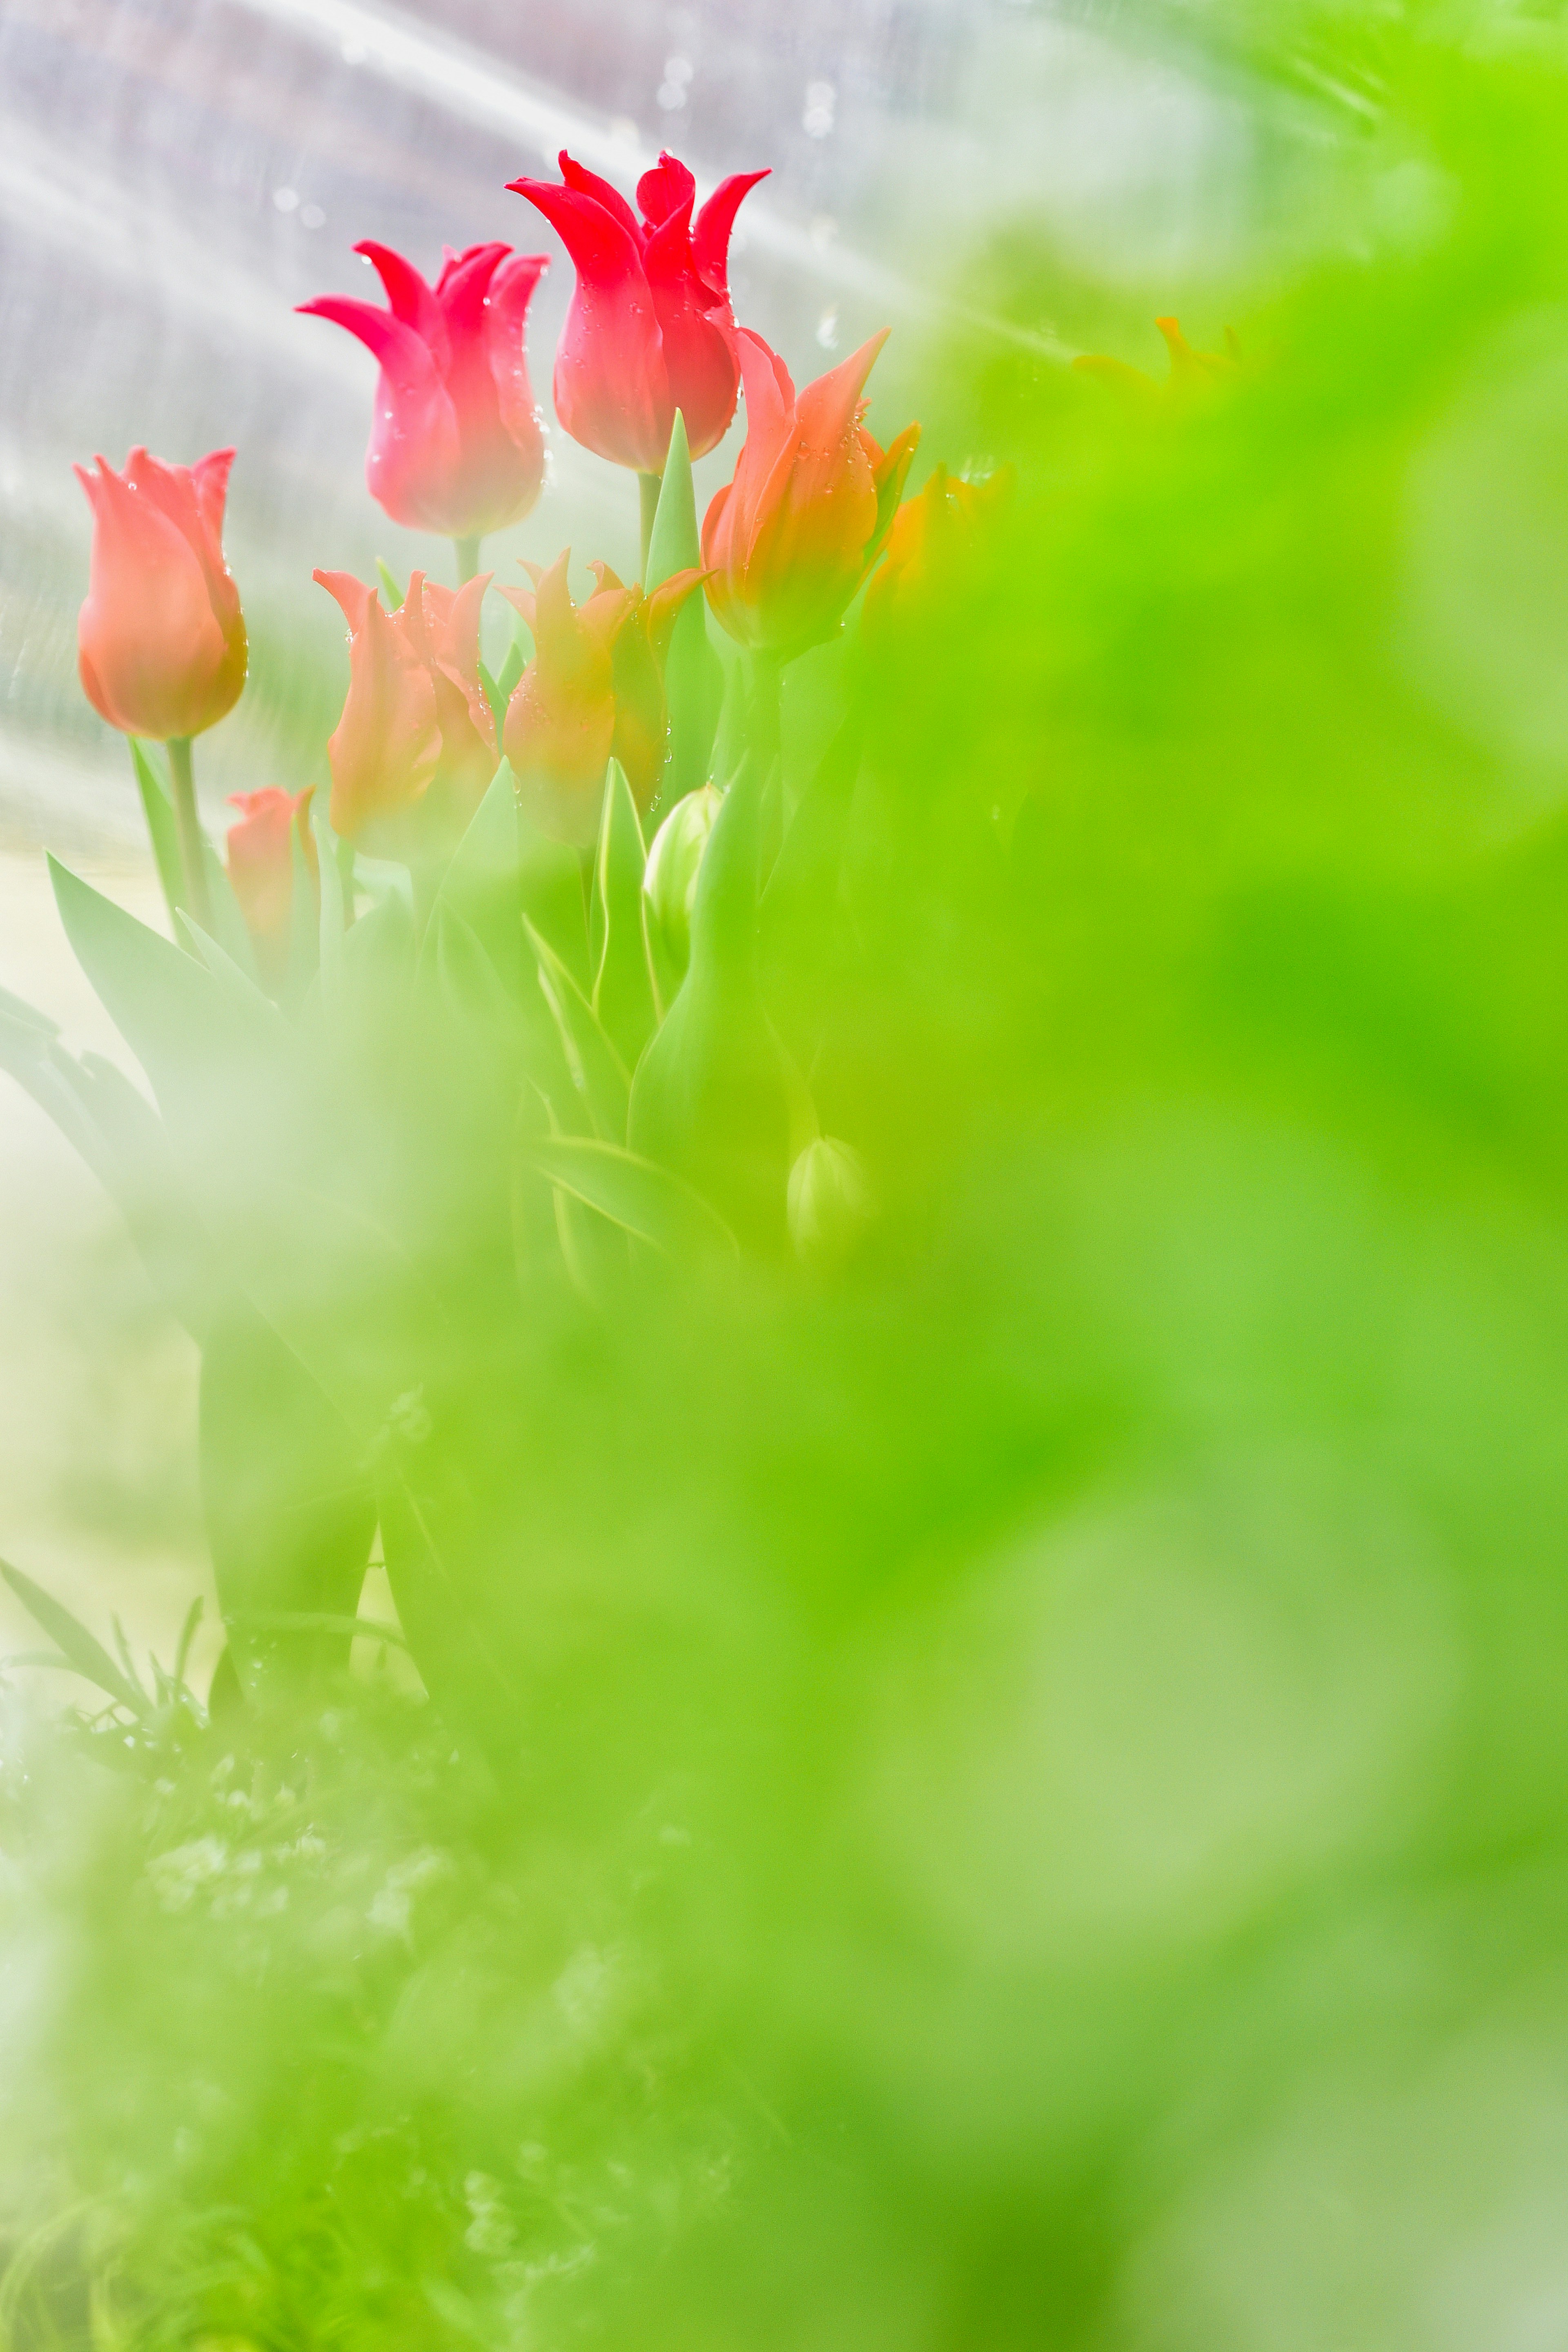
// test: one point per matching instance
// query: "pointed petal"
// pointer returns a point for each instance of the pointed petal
(412, 299)
(668, 188)
(603, 191)
(710, 236)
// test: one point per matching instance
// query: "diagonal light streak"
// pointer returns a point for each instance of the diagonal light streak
(479, 89)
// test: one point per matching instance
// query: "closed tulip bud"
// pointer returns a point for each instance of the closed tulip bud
(649, 327)
(456, 445)
(832, 1203)
(261, 868)
(791, 538)
(594, 689)
(162, 642)
(415, 748)
(670, 879)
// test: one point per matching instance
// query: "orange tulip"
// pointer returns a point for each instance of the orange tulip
(1191, 371)
(417, 733)
(932, 538)
(789, 541)
(161, 643)
(594, 690)
(261, 867)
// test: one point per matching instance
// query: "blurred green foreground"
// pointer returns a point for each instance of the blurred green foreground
(1037, 1812)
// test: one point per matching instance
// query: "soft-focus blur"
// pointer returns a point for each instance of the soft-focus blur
(176, 174)
(1036, 1809)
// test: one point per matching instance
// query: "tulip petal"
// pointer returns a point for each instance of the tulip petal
(413, 302)
(711, 232)
(511, 291)
(415, 453)
(211, 476)
(698, 349)
(603, 191)
(668, 188)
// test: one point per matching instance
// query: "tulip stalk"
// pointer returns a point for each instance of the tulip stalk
(467, 558)
(649, 486)
(193, 849)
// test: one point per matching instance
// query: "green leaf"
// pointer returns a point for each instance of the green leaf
(162, 828)
(712, 1099)
(483, 884)
(694, 675)
(394, 594)
(596, 1069)
(81, 1652)
(801, 946)
(241, 986)
(304, 927)
(330, 932)
(289, 1508)
(623, 983)
(645, 1199)
(229, 928)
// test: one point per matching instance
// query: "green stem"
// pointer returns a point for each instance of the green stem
(649, 485)
(766, 680)
(467, 558)
(193, 848)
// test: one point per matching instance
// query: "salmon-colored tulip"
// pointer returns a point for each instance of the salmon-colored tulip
(650, 329)
(417, 733)
(593, 690)
(932, 540)
(456, 445)
(261, 867)
(162, 644)
(789, 541)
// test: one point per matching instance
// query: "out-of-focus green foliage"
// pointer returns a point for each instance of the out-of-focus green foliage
(1008, 1791)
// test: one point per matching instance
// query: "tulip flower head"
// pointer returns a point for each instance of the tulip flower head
(161, 643)
(1191, 371)
(457, 446)
(417, 743)
(594, 689)
(649, 327)
(261, 868)
(932, 540)
(791, 538)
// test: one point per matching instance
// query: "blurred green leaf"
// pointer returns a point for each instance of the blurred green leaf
(649, 1201)
(162, 828)
(622, 985)
(596, 1069)
(693, 676)
(85, 1655)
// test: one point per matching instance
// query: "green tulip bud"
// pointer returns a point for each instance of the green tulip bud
(830, 1202)
(670, 878)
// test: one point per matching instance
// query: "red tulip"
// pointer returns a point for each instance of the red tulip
(417, 734)
(650, 329)
(593, 690)
(457, 446)
(162, 644)
(789, 541)
(261, 867)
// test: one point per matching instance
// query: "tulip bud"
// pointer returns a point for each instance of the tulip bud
(261, 868)
(791, 538)
(161, 638)
(832, 1203)
(670, 878)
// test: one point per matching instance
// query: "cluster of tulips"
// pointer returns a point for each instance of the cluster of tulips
(531, 1009)
(650, 353)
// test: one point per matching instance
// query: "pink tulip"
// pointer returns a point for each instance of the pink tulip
(261, 867)
(417, 737)
(789, 541)
(650, 329)
(457, 446)
(161, 643)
